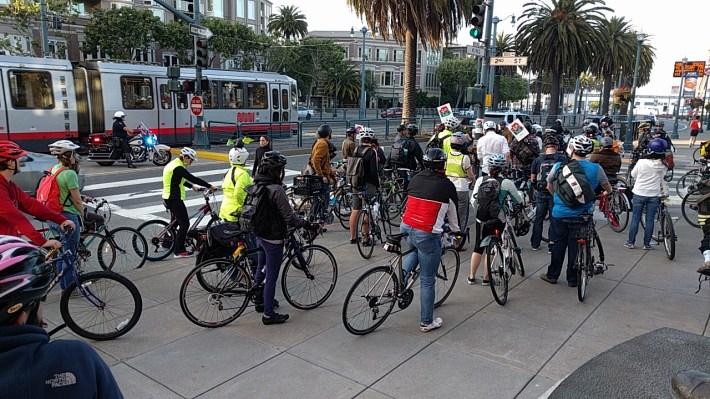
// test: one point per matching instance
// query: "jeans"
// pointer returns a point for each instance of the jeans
(544, 206)
(639, 203)
(427, 255)
(179, 211)
(271, 258)
(564, 227)
(462, 209)
(72, 243)
(325, 192)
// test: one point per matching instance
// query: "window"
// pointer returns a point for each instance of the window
(419, 56)
(369, 53)
(275, 98)
(170, 60)
(159, 13)
(232, 95)
(251, 10)
(166, 98)
(401, 78)
(399, 56)
(58, 48)
(386, 79)
(181, 99)
(284, 99)
(256, 95)
(216, 8)
(209, 95)
(31, 90)
(294, 96)
(240, 8)
(382, 54)
(346, 53)
(137, 92)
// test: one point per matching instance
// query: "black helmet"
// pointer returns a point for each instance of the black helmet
(412, 129)
(660, 123)
(401, 128)
(324, 131)
(551, 140)
(273, 160)
(435, 159)
(351, 130)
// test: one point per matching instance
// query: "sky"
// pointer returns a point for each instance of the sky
(676, 29)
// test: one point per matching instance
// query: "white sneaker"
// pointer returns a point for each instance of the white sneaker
(185, 254)
(432, 326)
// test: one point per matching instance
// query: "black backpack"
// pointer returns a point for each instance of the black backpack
(255, 211)
(436, 141)
(571, 185)
(487, 198)
(526, 150)
(222, 241)
(400, 152)
(543, 171)
(355, 168)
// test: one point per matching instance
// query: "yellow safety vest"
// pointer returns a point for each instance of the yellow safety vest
(168, 176)
(454, 165)
(235, 180)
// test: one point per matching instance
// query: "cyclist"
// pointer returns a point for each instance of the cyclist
(489, 192)
(280, 215)
(371, 179)
(703, 218)
(431, 197)
(592, 133)
(662, 134)
(649, 187)
(694, 130)
(349, 145)
(121, 132)
(264, 147)
(406, 153)
(235, 180)
(175, 179)
(505, 132)
(608, 159)
(491, 143)
(459, 171)
(33, 366)
(14, 202)
(565, 219)
(540, 169)
(320, 161)
(441, 139)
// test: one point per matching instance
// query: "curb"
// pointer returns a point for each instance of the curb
(215, 156)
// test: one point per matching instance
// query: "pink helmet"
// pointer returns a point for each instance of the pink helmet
(24, 276)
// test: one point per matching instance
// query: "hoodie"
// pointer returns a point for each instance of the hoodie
(648, 178)
(281, 215)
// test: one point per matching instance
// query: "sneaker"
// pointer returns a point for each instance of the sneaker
(471, 281)
(705, 268)
(366, 243)
(184, 254)
(543, 276)
(485, 282)
(431, 326)
(259, 306)
(629, 245)
(647, 247)
(353, 242)
(276, 318)
(573, 284)
(690, 384)
(535, 248)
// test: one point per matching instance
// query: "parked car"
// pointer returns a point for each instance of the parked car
(391, 113)
(32, 168)
(508, 116)
(470, 112)
(304, 112)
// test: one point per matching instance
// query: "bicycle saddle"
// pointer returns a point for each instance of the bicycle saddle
(396, 237)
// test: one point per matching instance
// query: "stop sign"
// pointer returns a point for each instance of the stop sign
(196, 106)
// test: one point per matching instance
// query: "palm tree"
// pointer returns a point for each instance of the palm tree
(560, 39)
(288, 22)
(586, 81)
(433, 22)
(343, 81)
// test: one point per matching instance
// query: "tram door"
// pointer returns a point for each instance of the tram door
(173, 115)
(280, 108)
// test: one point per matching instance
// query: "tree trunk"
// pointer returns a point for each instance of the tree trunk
(579, 101)
(538, 97)
(496, 91)
(409, 102)
(554, 108)
(606, 90)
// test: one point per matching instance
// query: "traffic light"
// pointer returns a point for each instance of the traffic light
(202, 53)
(477, 21)
(190, 8)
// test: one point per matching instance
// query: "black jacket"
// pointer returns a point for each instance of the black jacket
(258, 154)
(281, 215)
(117, 129)
(369, 159)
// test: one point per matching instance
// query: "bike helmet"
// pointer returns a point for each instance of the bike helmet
(606, 142)
(366, 135)
(401, 128)
(657, 146)
(581, 145)
(558, 121)
(435, 159)
(645, 126)
(10, 150)
(119, 115)
(537, 129)
(660, 124)
(62, 146)
(190, 153)
(591, 128)
(351, 130)
(496, 161)
(451, 123)
(458, 140)
(489, 125)
(25, 277)
(273, 160)
(439, 127)
(412, 129)
(238, 156)
(324, 131)
(551, 141)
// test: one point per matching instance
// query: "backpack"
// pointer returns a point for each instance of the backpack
(543, 172)
(436, 141)
(355, 168)
(525, 151)
(255, 211)
(487, 198)
(48, 191)
(399, 153)
(221, 241)
(571, 185)
(705, 149)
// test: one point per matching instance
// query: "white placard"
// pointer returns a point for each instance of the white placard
(519, 130)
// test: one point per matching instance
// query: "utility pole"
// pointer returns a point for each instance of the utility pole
(43, 24)
(485, 58)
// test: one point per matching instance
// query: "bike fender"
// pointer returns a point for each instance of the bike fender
(162, 147)
(487, 241)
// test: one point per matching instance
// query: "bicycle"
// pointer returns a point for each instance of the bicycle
(692, 178)
(616, 208)
(663, 228)
(371, 222)
(100, 305)
(585, 263)
(161, 235)
(216, 292)
(371, 298)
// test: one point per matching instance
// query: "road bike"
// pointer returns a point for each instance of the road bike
(692, 178)
(161, 235)
(616, 208)
(371, 223)
(663, 230)
(372, 297)
(586, 264)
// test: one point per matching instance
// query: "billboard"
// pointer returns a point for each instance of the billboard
(690, 85)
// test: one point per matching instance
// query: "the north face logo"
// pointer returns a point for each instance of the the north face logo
(61, 380)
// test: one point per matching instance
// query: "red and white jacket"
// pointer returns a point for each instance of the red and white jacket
(431, 198)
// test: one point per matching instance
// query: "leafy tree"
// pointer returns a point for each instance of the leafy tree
(176, 37)
(455, 76)
(513, 88)
(24, 16)
(586, 82)
(288, 23)
(119, 32)
(504, 43)
(309, 63)
(233, 41)
(343, 81)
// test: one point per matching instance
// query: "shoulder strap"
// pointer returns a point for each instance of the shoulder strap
(234, 180)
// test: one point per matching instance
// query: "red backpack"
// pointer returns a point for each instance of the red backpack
(48, 191)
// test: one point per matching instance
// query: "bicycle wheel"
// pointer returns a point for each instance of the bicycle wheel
(309, 286)
(497, 272)
(446, 275)
(131, 249)
(370, 300)
(215, 293)
(688, 180)
(516, 262)
(343, 209)
(104, 306)
(393, 207)
(668, 235)
(696, 155)
(308, 208)
(365, 237)
(92, 255)
(582, 275)
(160, 239)
(689, 208)
(618, 215)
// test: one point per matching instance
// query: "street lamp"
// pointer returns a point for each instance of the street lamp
(674, 134)
(363, 97)
(494, 43)
(629, 140)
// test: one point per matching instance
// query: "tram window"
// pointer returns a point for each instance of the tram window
(275, 98)
(232, 95)
(137, 92)
(181, 100)
(210, 95)
(31, 90)
(256, 96)
(284, 99)
(294, 97)
(166, 99)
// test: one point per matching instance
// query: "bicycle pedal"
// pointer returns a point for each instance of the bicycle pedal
(518, 250)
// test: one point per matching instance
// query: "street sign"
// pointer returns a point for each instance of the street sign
(690, 66)
(478, 51)
(509, 61)
(196, 106)
(197, 30)
(509, 54)
(489, 99)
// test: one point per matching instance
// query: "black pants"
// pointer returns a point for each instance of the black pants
(179, 211)
(126, 149)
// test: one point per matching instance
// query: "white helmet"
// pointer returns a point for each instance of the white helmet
(190, 153)
(366, 133)
(451, 123)
(538, 129)
(62, 146)
(496, 161)
(238, 156)
(581, 145)
(489, 125)
(118, 115)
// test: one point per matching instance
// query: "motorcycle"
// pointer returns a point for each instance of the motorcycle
(105, 149)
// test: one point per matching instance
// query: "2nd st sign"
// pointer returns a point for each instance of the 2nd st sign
(509, 61)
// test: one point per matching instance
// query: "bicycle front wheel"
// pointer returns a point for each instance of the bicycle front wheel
(131, 249)
(446, 275)
(160, 239)
(343, 209)
(582, 273)
(105, 305)
(393, 207)
(668, 235)
(497, 272)
(689, 208)
(618, 211)
(308, 280)
(687, 181)
(365, 237)
(516, 259)
(93, 255)
(370, 300)
(215, 293)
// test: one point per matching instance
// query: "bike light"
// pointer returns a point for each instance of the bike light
(582, 241)
(148, 140)
(496, 232)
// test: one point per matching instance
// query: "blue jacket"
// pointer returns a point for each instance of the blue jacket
(595, 175)
(33, 367)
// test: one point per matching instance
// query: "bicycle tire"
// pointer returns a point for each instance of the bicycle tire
(446, 275)
(94, 284)
(668, 236)
(229, 293)
(344, 209)
(583, 259)
(393, 207)
(696, 155)
(92, 256)
(517, 258)
(365, 251)
(688, 180)
(619, 208)
(304, 292)
(160, 239)
(689, 208)
(376, 288)
(131, 249)
(497, 273)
